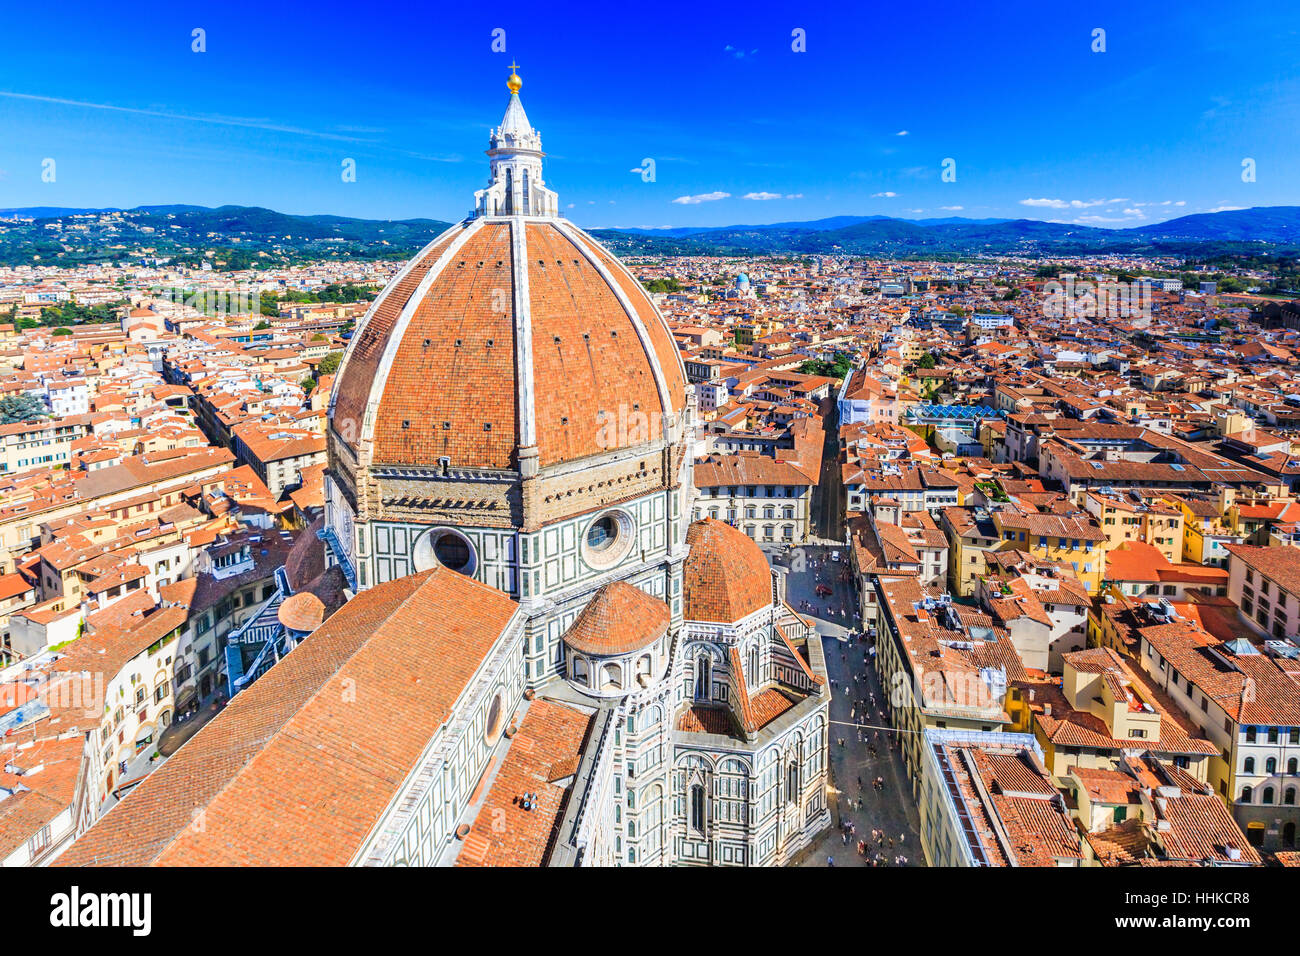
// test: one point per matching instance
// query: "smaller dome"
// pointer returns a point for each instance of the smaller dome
(742, 279)
(726, 575)
(620, 619)
(302, 612)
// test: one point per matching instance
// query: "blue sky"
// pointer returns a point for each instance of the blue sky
(1039, 126)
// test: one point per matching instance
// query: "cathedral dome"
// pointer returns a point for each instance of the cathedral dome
(726, 576)
(513, 330)
(513, 379)
(505, 334)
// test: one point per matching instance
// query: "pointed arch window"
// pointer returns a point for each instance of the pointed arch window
(510, 192)
(697, 807)
(792, 782)
(703, 678)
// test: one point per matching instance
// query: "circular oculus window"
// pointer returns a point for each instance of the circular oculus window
(608, 539)
(446, 548)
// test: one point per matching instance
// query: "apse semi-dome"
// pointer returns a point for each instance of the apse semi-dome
(619, 619)
(725, 577)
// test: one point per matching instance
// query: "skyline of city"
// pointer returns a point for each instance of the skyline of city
(741, 128)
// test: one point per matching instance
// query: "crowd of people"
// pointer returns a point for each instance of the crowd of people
(869, 714)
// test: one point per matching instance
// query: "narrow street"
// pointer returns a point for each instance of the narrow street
(853, 679)
(827, 516)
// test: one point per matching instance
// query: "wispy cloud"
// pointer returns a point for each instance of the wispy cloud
(702, 197)
(952, 208)
(901, 132)
(244, 122)
(884, 195)
(1069, 203)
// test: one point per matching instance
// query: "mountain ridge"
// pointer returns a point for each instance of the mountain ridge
(262, 234)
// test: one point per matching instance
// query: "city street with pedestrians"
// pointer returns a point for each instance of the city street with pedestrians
(866, 755)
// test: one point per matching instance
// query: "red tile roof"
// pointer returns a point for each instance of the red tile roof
(619, 619)
(544, 752)
(726, 575)
(298, 769)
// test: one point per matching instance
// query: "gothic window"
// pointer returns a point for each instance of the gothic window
(792, 782)
(527, 210)
(697, 808)
(702, 678)
(753, 665)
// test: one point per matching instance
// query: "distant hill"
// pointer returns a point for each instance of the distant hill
(1277, 228)
(248, 236)
(236, 237)
(1258, 224)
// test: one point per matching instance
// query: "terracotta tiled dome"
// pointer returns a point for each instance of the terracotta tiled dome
(302, 612)
(507, 333)
(620, 619)
(726, 575)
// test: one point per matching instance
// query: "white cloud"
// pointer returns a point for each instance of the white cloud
(761, 196)
(1128, 215)
(901, 132)
(953, 208)
(883, 195)
(1226, 208)
(702, 197)
(794, 196)
(1069, 203)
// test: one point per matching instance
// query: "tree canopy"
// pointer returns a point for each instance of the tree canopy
(329, 364)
